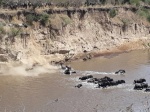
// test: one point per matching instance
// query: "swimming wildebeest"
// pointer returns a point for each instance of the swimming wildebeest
(111, 83)
(85, 77)
(79, 85)
(139, 81)
(147, 89)
(67, 69)
(107, 81)
(140, 86)
(121, 81)
(120, 72)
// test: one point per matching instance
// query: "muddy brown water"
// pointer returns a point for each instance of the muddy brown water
(56, 92)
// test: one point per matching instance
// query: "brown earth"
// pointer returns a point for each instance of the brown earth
(73, 33)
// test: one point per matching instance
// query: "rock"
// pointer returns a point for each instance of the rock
(3, 58)
(19, 55)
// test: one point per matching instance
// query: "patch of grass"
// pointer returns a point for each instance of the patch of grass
(14, 32)
(145, 13)
(52, 16)
(2, 30)
(66, 20)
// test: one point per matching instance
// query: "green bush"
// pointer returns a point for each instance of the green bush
(44, 19)
(112, 13)
(145, 13)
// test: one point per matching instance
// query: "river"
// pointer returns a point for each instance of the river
(55, 92)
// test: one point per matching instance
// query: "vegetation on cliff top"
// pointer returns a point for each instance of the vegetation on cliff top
(74, 3)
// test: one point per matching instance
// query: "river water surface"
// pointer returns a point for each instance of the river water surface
(55, 92)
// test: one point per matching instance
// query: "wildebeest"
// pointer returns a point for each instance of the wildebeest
(85, 77)
(140, 86)
(147, 89)
(93, 80)
(121, 81)
(79, 85)
(107, 81)
(67, 69)
(139, 81)
(103, 84)
(67, 72)
(120, 72)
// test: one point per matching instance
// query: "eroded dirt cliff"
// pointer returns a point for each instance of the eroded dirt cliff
(70, 33)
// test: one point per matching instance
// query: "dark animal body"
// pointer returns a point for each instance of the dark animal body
(139, 81)
(85, 77)
(102, 82)
(110, 83)
(67, 70)
(147, 89)
(79, 86)
(120, 72)
(140, 86)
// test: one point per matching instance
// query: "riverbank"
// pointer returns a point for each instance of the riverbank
(53, 35)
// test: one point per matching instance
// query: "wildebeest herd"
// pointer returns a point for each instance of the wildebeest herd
(141, 84)
(101, 82)
(107, 81)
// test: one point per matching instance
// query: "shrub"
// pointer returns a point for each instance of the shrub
(14, 32)
(30, 18)
(135, 2)
(146, 1)
(145, 13)
(103, 1)
(44, 19)
(112, 13)
(1, 2)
